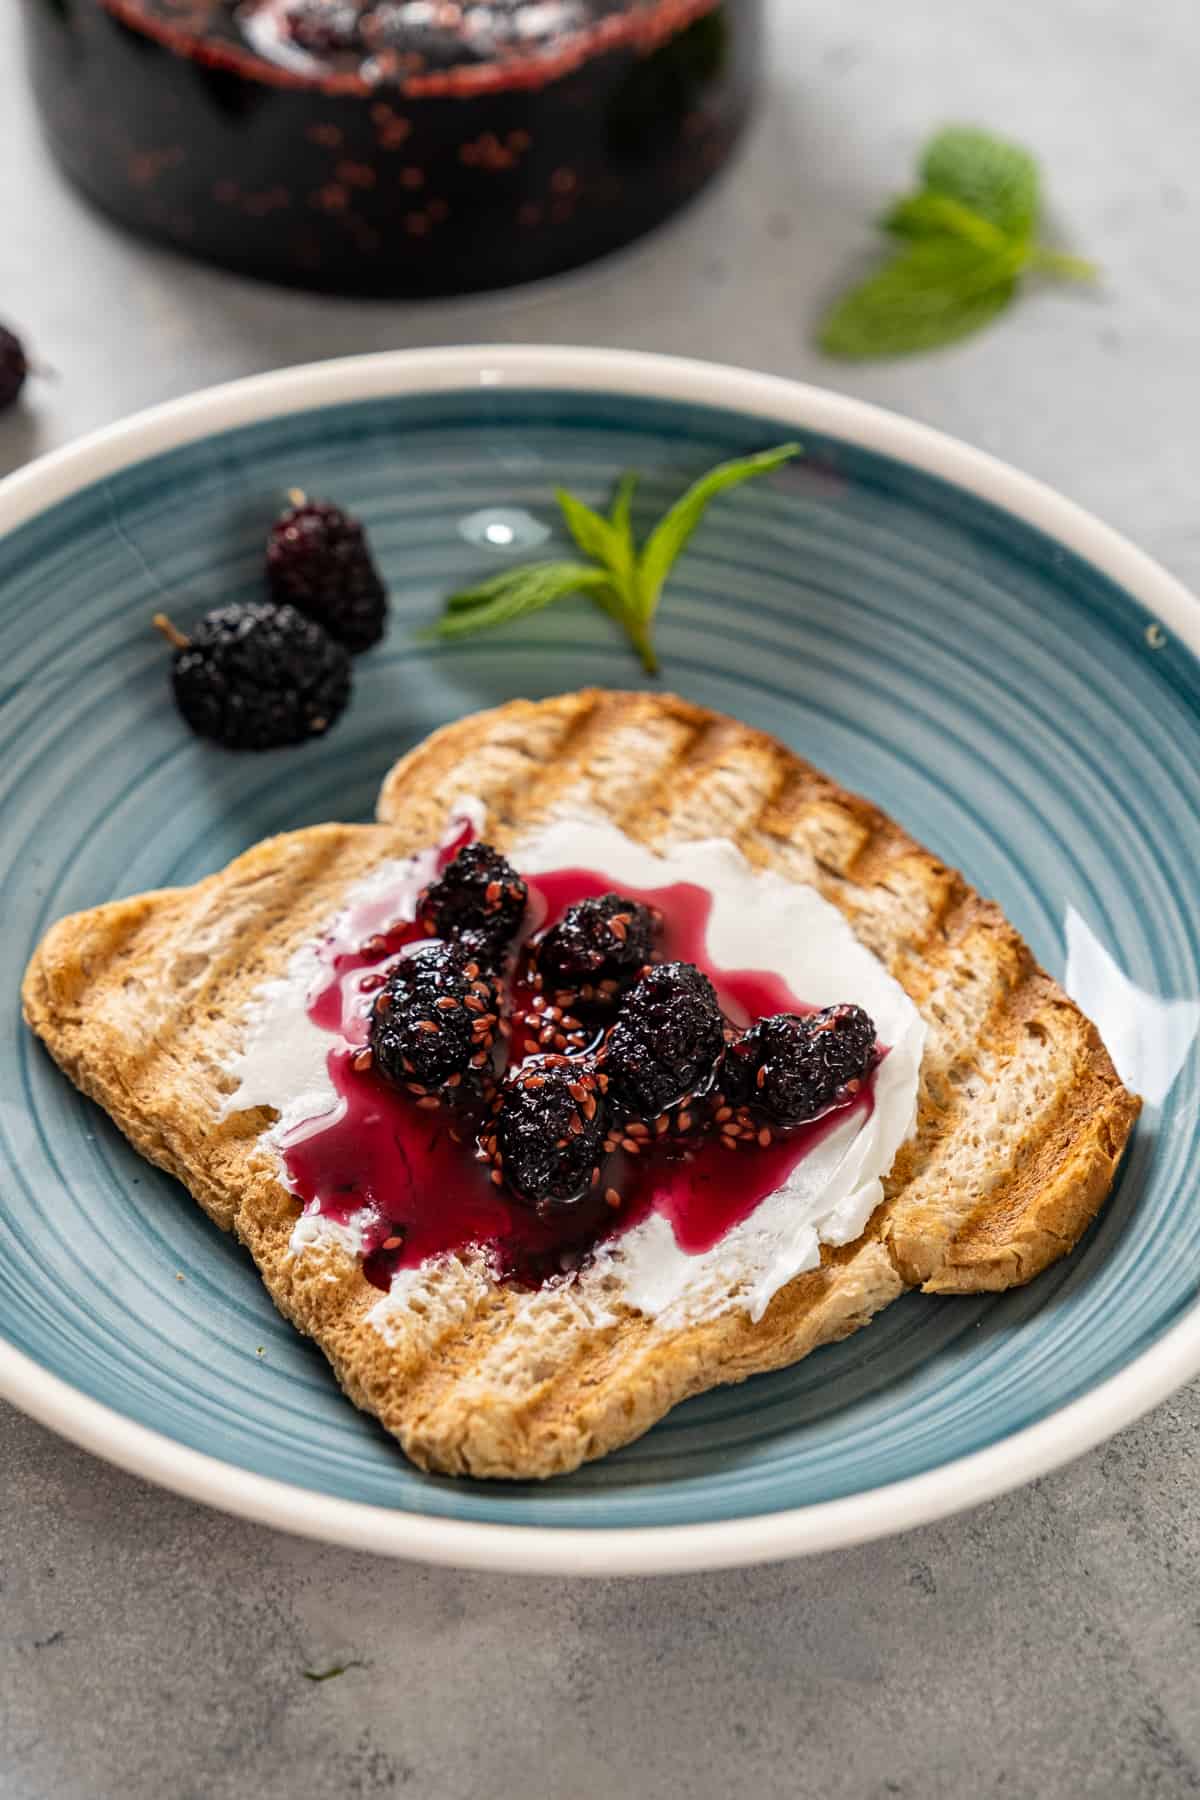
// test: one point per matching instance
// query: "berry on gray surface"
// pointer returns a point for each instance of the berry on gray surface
(546, 1140)
(258, 676)
(478, 898)
(597, 947)
(668, 1040)
(319, 561)
(434, 1025)
(806, 1063)
(14, 367)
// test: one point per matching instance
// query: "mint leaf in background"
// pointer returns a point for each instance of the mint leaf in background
(513, 595)
(622, 583)
(676, 526)
(969, 236)
(927, 215)
(1062, 264)
(931, 294)
(992, 177)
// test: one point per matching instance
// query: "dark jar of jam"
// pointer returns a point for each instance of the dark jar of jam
(393, 146)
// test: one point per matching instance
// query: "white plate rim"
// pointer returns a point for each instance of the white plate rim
(602, 1551)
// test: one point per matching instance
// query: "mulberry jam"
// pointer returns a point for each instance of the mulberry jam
(389, 146)
(405, 1174)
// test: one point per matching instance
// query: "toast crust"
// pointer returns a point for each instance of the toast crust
(1021, 1117)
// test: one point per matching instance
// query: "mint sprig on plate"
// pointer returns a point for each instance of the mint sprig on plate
(625, 580)
(967, 236)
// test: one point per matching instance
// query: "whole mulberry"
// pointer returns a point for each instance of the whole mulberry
(549, 1132)
(597, 947)
(478, 898)
(319, 561)
(668, 1040)
(739, 1069)
(258, 676)
(434, 1025)
(14, 367)
(804, 1064)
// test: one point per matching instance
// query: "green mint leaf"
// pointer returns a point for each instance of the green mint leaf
(970, 234)
(675, 527)
(621, 515)
(624, 585)
(513, 595)
(608, 541)
(992, 177)
(590, 529)
(929, 214)
(1067, 267)
(620, 518)
(486, 591)
(933, 293)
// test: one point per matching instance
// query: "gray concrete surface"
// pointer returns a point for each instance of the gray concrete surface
(1045, 1646)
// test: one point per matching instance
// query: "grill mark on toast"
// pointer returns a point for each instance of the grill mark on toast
(720, 776)
(500, 767)
(452, 1357)
(553, 747)
(299, 893)
(438, 1365)
(243, 908)
(86, 957)
(968, 1152)
(1051, 1183)
(521, 770)
(608, 1387)
(504, 1373)
(625, 754)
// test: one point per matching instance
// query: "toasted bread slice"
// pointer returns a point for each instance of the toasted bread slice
(1021, 1119)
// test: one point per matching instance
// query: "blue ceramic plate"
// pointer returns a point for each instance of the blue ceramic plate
(996, 669)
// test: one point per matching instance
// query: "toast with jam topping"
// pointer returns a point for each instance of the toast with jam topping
(1021, 1118)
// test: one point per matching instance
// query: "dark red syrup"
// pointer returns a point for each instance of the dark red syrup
(407, 1176)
